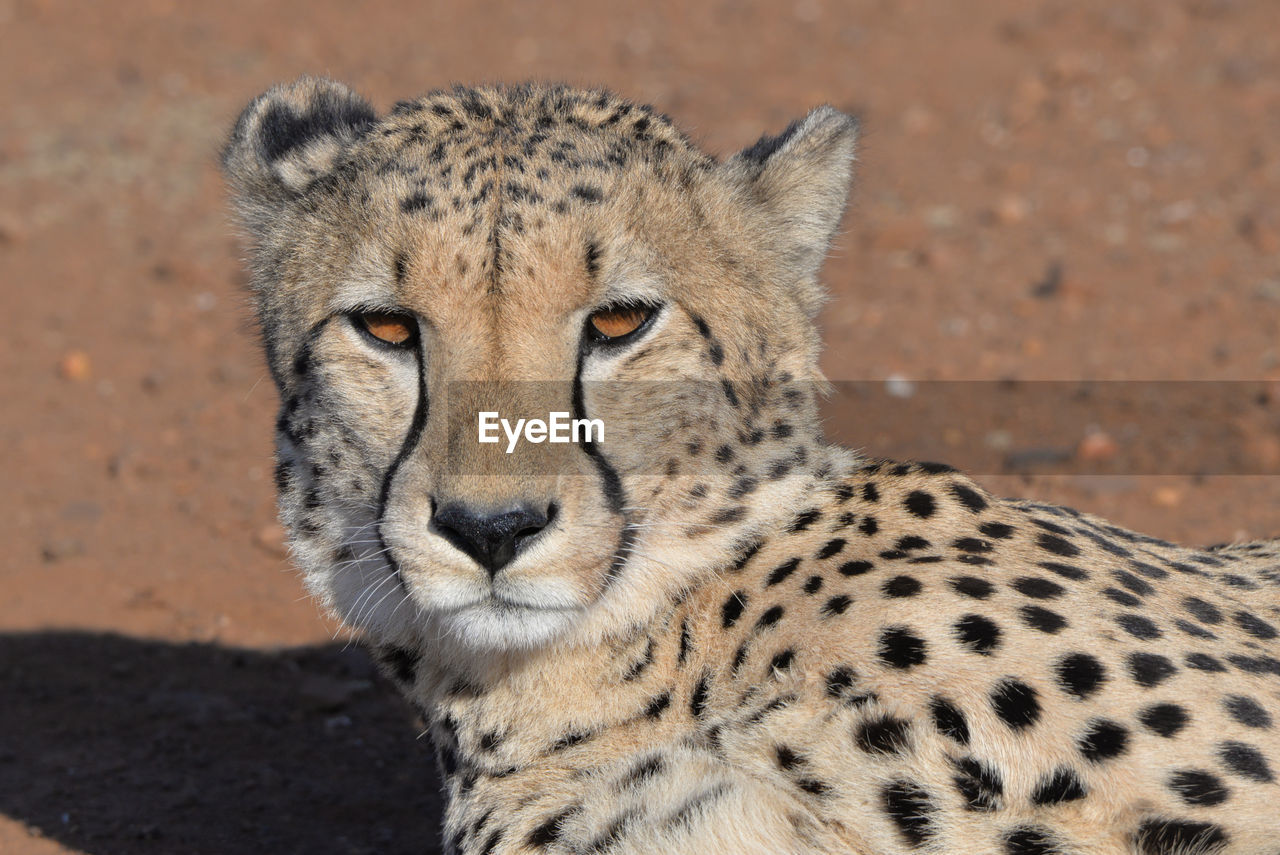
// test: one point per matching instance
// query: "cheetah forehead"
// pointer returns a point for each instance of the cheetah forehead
(476, 174)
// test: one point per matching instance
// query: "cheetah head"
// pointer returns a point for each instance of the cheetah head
(531, 251)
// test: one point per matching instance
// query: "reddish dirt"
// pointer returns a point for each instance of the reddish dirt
(167, 689)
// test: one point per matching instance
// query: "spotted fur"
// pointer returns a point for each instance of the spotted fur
(733, 637)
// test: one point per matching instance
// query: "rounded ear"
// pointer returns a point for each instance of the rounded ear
(801, 179)
(288, 137)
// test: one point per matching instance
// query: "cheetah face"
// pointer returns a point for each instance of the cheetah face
(528, 252)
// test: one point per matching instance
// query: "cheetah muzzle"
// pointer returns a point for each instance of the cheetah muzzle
(706, 630)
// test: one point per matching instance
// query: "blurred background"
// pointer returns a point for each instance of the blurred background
(1065, 190)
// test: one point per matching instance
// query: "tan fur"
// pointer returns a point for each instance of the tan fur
(733, 637)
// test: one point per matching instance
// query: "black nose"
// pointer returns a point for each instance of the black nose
(492, 539)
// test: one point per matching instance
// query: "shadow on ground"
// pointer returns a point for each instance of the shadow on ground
(117, 745)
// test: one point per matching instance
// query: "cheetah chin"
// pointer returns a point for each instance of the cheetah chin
(707, 630)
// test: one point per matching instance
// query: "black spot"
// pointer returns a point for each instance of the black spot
(885, 734)
(1080, 674)
(1103, 740)
(402, 662)
(868, 526)
(996, 530)
(930, 467)
(401, 266)
(698, 700)
(909, 807)
(1139, 626)
(1192, 629)
(978, 633)
(416, 202)
(1202, 611)
(949, 720)
(1255, 626)
(837, 605)
(1057, 545)
(804, 519)
(740, 656)
(1246, 761)
(548, 832)
(813, 787)
(788, 759)
(728, 515)
(1256, 664)
(1045, 524)
(1062, 786)
(855, 568)
(571, 739)
(658, 705)
(1037, 588)
(492, 842)
(839, 681)
(770, 617)
(1066, 571)
(781, 572)
(782, 661)
(901, 586)
(870, 493)
(685, 641)
(899, 648)
(730, 395)
(1016, 703)
(747, 554)
(1164, 719)
(593, 259)
(1247, 711)
(972, 586)
(642, 664)
(1042, 619)
(1030, 840)
(979, 784)
(813, 584)
(1150, 669)
(1119, 597)
(732, 609)
(1205, 662)
(1198, 788)
(920, 503)
(972, 544)
(643, 770)
(1140, 587)
(969, 497)
(831, 548)
(1179, 837)
(587, 192)
(490, 740)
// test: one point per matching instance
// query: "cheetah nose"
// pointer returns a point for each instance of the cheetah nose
(492, 539)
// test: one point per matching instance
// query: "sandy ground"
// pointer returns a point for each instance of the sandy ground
(1079, 190)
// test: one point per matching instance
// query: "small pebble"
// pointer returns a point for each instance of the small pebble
(271, 539)
(75, 366)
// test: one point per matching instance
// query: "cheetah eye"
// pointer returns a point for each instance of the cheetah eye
(614, 323)
(388, 328)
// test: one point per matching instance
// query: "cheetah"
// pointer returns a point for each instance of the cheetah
(706, 630)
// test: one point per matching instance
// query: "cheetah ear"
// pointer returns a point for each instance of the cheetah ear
(288, 137)
(801, 179)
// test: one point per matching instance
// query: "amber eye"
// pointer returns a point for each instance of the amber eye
(387, 327)
(617, 322)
